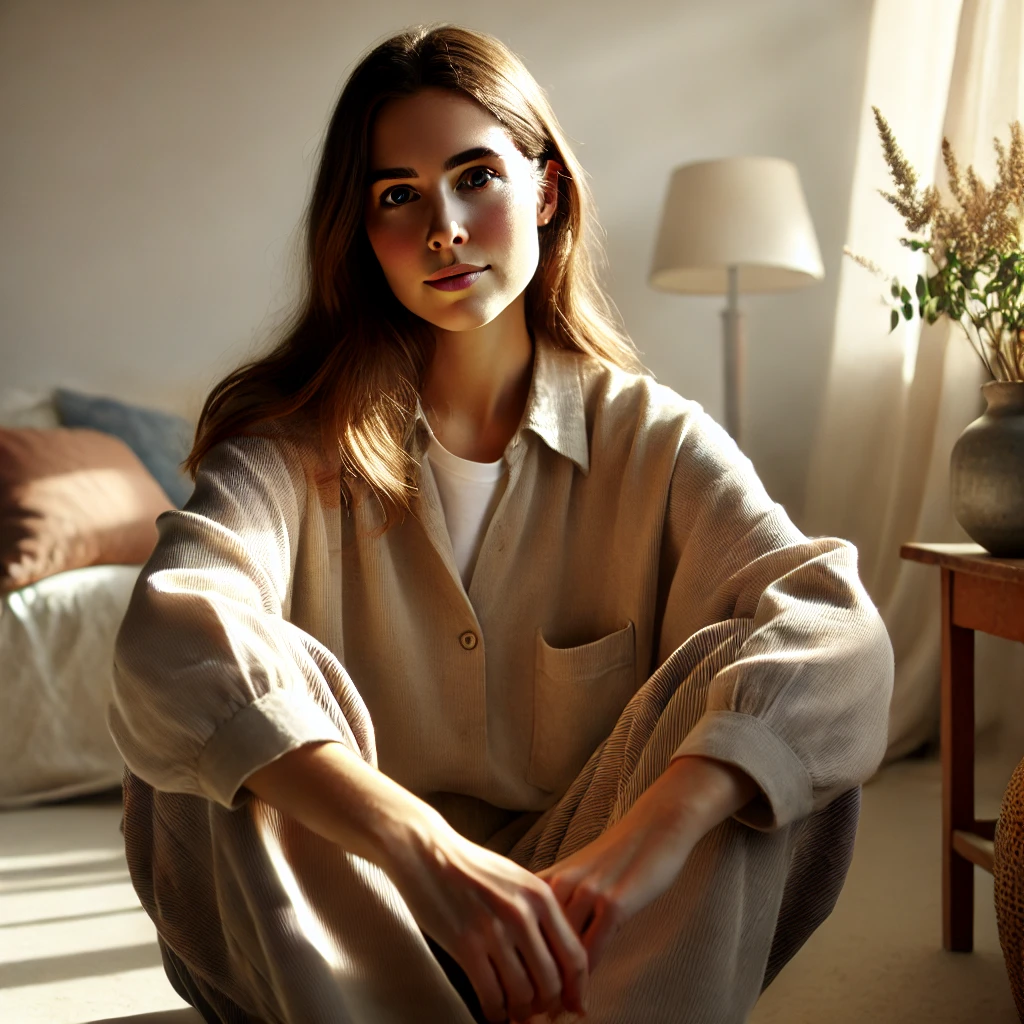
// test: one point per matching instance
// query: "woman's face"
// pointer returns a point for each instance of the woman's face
(449, 191)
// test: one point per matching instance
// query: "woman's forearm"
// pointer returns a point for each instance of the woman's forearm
(335, 793)
(706, 791)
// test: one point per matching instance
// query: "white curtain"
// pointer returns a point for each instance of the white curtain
(895, 403)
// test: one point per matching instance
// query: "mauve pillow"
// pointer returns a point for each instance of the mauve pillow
(71, 498)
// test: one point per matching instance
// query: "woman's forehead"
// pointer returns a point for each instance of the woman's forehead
(423, 131)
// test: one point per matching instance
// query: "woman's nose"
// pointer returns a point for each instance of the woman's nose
(445, 234)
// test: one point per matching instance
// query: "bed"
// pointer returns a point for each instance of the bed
(57, 633)
(56, 645)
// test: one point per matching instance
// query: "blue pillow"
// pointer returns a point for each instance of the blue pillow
(161, 440)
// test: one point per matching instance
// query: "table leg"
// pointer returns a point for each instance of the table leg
(957, 739)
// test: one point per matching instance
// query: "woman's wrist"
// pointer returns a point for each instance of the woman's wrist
(704, 792)
(409, 833)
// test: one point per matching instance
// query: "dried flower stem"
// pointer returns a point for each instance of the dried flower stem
(980, 240)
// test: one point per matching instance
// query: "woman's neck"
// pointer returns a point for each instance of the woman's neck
(476, 386)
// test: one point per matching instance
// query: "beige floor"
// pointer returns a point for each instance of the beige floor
(75, 946)
(879, 957)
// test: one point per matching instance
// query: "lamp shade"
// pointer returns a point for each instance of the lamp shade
(745, 212)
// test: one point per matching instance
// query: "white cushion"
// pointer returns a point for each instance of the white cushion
(25, 409)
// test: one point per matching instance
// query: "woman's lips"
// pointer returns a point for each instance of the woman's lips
(456, 282)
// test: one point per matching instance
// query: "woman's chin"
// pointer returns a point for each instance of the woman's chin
(464, 316)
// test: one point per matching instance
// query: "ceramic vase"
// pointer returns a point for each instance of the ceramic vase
(987, 472)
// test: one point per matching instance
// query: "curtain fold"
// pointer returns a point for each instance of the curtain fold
(894, 404)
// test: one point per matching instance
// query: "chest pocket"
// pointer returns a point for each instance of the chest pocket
(578, 695)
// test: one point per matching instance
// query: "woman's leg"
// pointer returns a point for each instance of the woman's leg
(233, 892)
(699, 952)
(221, 1011)
(267, 922)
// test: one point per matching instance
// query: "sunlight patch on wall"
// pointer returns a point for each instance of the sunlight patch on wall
(911, 340)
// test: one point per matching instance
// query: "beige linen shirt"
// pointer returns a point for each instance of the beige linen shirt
(269, 613)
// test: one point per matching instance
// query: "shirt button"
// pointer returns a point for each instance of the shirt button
(468, 640)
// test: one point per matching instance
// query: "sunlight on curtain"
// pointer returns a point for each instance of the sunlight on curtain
(895, 404)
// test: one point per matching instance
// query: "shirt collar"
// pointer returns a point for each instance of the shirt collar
(554, 408)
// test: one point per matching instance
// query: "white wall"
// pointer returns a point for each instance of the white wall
(156, 158)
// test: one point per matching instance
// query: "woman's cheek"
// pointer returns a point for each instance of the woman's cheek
(523, 248)
(501, 237)
(395, 255)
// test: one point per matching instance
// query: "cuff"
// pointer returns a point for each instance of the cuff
(746, 742)
(258, 734)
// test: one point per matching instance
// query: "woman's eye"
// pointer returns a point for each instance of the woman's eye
(474, 179)
(478, 177)
(397, 195)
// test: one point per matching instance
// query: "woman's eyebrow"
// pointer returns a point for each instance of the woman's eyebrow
(465, 157)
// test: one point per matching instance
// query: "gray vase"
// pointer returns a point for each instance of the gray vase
(987, 472)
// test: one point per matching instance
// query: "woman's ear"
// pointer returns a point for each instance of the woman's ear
(547, 202)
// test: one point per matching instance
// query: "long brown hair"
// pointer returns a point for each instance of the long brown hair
(352, 357)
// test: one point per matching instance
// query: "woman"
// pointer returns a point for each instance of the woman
(474, 641)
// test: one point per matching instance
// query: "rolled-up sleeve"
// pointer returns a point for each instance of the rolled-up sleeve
(211, 680)
(803, 709)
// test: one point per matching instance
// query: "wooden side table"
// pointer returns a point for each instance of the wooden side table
(979, 592)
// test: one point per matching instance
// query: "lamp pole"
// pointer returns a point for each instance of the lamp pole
(735, 358)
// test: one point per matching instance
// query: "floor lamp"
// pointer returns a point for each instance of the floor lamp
(739, 224)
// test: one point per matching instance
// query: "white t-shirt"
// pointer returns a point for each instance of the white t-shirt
(470, 492)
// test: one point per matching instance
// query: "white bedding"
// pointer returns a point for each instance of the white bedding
(56, 652)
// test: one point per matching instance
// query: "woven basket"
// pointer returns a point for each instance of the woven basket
(1008, 868)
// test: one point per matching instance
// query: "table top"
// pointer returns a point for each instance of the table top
(968, 558)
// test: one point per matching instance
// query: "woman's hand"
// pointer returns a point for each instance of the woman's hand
(500, 922)
(606, 882)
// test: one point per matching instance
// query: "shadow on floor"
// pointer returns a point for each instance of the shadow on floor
(105, 862)
(79, 965)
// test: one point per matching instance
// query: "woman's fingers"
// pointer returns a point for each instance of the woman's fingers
(484, 979)
(539, 959)
(595, 916)
(541, 962)
(561, 883)
(502, 924)
(580, 907)
(515, 981)
(604, 924)
(570, 956)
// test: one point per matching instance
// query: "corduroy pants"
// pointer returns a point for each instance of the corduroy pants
(262, 921)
